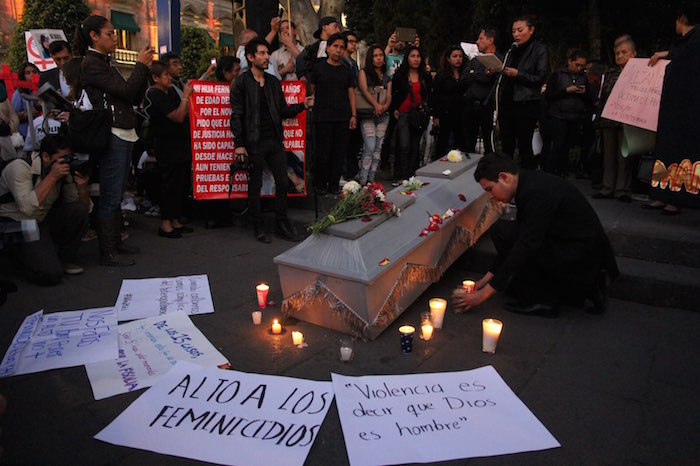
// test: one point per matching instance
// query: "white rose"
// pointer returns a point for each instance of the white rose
(454, 156)
(351, 187)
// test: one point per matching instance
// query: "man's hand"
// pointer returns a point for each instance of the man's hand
(59, 169)
(146, 56)
(463, 301)
(211, 71)
(657, 56)
(416, 41)
(392, 41)
(187, 90)
(287, 40)
(80, 180)
(288, 68)
(275, 23)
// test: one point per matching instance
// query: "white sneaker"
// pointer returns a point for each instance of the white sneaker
(72, 269)
(129, 204)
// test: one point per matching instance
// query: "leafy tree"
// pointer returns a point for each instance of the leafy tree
(40, 14)
(360, 17)
(197, 48)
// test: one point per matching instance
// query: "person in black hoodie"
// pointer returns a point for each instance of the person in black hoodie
(524, 74)
(569, 103)
(106, 88)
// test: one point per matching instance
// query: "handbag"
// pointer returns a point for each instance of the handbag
(90, 131)
(364, 107)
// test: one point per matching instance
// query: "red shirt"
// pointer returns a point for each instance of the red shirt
(409, 103)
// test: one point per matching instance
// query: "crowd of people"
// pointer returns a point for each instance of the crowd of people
(359, 112)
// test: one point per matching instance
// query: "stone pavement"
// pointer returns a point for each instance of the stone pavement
(619, 388)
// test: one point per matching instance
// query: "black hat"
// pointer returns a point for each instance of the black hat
(325, 21)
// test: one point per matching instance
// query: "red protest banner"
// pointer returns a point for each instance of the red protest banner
(213, 147)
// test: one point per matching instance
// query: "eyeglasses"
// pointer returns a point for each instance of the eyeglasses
(350, 41)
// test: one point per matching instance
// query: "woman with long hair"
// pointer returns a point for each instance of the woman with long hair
(447, 101)
(106, 88)
(373, 127)
(524, 74)
(26, 72)
(411, 86)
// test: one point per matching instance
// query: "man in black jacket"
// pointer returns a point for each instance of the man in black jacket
(257, 110)
(61, 53)
(555, 252)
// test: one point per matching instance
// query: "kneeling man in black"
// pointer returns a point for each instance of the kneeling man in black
(555, 252)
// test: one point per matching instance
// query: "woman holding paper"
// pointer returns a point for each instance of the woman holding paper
(524, 73)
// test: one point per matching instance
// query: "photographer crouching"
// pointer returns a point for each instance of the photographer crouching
(50, 189)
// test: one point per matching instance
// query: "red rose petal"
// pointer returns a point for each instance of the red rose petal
(463, 198)
(384, 261)
(424, 232)
(366, 218)
(434, 227)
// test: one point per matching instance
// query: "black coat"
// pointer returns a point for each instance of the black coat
(678, 135)
(401, 86)
(533, 68)
(51, 77)
(564, 105)
(245, 108)
(558, 232)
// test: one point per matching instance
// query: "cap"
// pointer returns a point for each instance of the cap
(325, 21)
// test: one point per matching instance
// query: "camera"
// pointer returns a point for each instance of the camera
(77, 165)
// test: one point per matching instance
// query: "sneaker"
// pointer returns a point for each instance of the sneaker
(72, 269)
(129, 204)
(89, 235)
(146, 204)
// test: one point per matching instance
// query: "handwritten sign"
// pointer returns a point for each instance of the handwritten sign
(636, 96)
(158, 296)
(421, 418)
(61, 339)
(213, 146)
(148, 348)
(225, 417)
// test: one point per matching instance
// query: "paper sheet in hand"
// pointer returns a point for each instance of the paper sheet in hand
(491, 61)
(225, 417)
(148, 348)
(158, 296)
(61, 339)
(421, 418)
(469, 49)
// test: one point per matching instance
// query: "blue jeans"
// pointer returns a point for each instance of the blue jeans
(114, 171)
(373, 131)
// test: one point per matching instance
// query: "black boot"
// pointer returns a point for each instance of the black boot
(107, 234)
(286, 231)
(261, 235)
(122, 247)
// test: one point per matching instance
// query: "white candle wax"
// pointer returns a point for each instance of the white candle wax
(437, 311)
(345, 353)
(257, 317)
(297, 338)
(492, 331)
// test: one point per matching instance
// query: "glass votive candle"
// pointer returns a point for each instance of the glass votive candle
(437, 311)
(407, 332)
(426, 326)
(261, 290)
(297, 338)
(276, 327)
(347, 352)
(492, 331)
(257, 317)
(469, 286)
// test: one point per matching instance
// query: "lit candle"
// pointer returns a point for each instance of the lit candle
(257, 317)
(407, 332)
(492, 331)
(297, 338)
(276, 327)
(437, 311)
(427, 331)
(262, 290)
(469, 286)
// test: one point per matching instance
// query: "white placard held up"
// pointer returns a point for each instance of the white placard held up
(62, 339)
(150, 297)
(421, 418)
(148, 348)
(225, 417)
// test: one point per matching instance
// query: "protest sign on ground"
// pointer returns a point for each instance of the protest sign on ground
(421, 418)
(61, 339)
(150, 297)
(148, 348)
(225, 417)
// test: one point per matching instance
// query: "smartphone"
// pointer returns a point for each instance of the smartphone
(405, 34)
(212, 61)
(281, 13)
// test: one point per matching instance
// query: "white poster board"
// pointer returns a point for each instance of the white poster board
(150, 297)
(148, 348)
(421, 418)
(225, 417)
(61, 339)
(38, 49)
